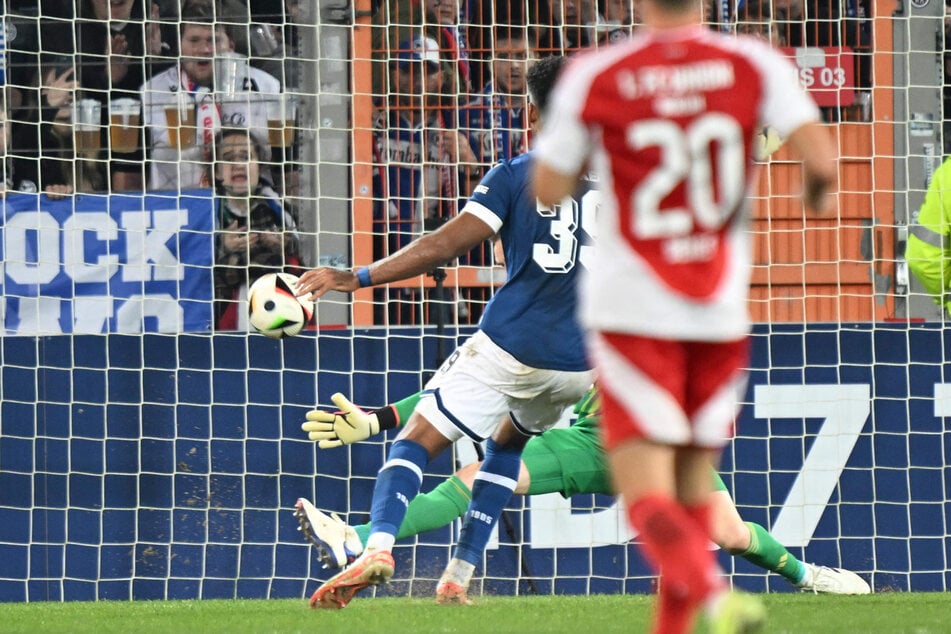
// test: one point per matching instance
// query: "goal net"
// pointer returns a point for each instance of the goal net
(159, 157)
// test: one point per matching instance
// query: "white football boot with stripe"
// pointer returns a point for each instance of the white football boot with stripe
(337, 543)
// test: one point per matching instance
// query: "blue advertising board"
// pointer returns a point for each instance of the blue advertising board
(94, 263)
(166, 466)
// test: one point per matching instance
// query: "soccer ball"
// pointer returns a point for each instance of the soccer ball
(273, 309)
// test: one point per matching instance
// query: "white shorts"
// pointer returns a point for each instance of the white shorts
(480, 383)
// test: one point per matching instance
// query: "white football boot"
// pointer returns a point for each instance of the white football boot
(826, 580)
(337, 543)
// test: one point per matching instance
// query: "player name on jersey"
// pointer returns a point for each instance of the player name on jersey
(681, 79)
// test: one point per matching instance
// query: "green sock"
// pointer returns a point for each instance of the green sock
(766, 552)
(427, 511)
(363, 531)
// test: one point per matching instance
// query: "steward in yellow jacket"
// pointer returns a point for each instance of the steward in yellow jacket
(928, 251)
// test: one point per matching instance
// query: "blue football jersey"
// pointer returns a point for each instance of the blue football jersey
(532, 316)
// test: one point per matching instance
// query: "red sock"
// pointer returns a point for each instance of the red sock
(674, 614)
(677, 548)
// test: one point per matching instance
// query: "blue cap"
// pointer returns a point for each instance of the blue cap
(421, 49)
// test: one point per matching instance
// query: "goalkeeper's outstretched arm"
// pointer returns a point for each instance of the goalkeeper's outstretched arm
(350, 424)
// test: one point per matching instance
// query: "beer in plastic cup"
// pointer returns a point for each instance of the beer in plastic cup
(281, 114)
(124, 125)
(180, 119)
(87, 120)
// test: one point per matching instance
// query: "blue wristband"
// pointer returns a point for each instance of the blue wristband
(363, 275)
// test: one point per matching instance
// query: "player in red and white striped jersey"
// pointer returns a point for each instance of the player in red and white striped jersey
(667, 123)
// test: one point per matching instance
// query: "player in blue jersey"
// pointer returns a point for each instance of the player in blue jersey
(524, 365)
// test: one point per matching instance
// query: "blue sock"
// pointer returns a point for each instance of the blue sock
(491, 491)
(397, 483)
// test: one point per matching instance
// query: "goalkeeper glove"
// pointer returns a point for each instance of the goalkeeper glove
(766, 142)
(345, 427)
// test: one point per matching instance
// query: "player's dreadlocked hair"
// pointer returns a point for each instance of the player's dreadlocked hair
(541, 78)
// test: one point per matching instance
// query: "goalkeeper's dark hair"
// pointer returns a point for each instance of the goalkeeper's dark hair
(541, 78)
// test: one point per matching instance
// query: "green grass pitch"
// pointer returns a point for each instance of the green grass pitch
(885, 613)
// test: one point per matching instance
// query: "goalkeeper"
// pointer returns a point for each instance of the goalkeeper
(567, 461)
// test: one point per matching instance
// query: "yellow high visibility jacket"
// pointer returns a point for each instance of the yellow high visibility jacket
(928, 250)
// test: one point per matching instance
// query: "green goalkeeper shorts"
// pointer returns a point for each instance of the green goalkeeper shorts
(566, 461)
(570, 462)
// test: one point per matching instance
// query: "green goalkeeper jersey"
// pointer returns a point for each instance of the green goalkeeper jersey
(588, 411)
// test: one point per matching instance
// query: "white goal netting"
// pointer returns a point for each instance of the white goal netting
(159, 155)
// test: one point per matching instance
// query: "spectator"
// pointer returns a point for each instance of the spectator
(39, 144)
(495, 121)
(419, 152)
(482, 17)
(405, 20)
(615, 21)
(23, 173)
(569, 25)
(110, 42)
(112, 53)
(105, 44)
(181, 112)
(442, 20)
(39, 95)
(255, 235)
(417, 142)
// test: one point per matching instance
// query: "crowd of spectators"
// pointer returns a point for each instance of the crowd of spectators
(118, 96)
(442, 67)
(127, 95)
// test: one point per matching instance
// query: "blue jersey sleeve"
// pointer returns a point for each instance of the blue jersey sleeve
(492, 198)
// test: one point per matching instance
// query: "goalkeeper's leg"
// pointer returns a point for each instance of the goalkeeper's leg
(755, 544)
(750, 541)
(428, 511)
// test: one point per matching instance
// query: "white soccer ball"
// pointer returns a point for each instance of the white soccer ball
(273, 309)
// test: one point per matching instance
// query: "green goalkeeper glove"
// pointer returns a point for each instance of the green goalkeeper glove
(345, 427)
